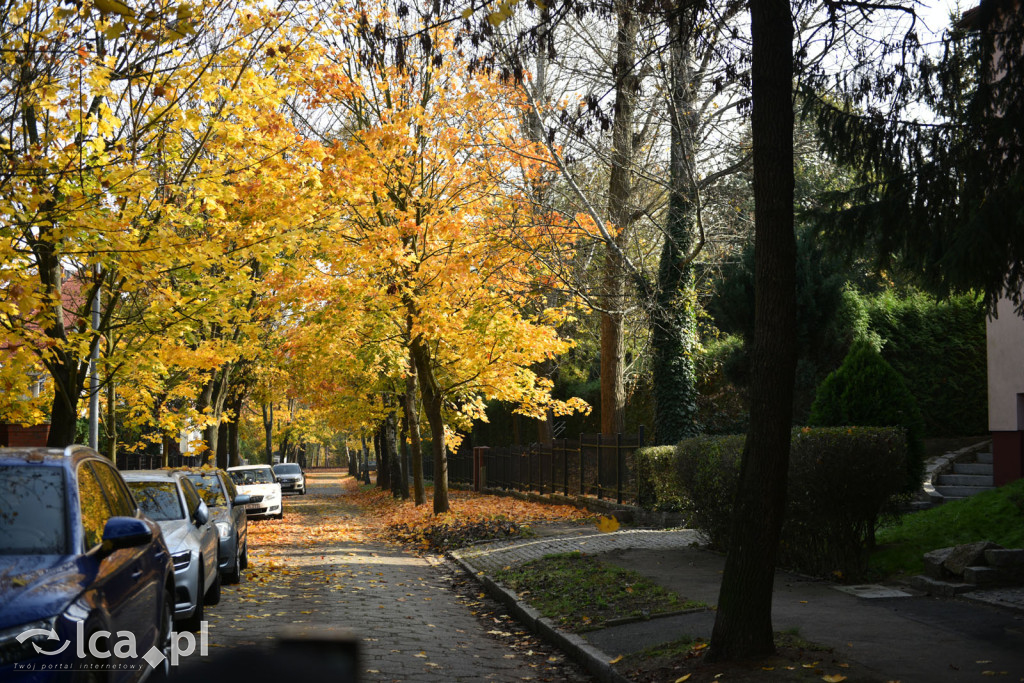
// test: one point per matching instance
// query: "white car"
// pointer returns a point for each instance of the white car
(261, 485)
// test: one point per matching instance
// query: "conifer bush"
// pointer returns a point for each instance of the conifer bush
(866, 391)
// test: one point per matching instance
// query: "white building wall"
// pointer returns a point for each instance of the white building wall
(1006, 370)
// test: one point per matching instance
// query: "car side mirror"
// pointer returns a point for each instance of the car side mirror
(125, 532)
(242, 499)
(202, 514)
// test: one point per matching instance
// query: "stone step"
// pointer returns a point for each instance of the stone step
(1005, 557)
(950, 492)
(983, 576)
(965, 480)
(972, 468)
(946, 589)
(985, 458)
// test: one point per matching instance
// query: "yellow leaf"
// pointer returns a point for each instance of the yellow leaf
(466, 14)
(607, 525)
(834, 678)
(112, 7)
(616, 660)
(683, 678)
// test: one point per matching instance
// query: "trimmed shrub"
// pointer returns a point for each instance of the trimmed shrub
(841, 482)
(656, 477)
(867, 391)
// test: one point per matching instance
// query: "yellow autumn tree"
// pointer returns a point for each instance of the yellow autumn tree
(142, 147)
(435, 226)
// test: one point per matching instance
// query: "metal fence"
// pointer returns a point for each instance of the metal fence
(154, 461)
(591, 465)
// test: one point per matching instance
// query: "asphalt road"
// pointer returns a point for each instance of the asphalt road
(411, 618)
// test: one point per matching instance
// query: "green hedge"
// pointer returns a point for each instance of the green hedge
(939, 349)
(841, 482)
(656, 477)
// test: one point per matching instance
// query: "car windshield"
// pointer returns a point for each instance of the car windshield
(287, 468)
(245, 477)
(210, 489)
(158, 499)
(32, 511)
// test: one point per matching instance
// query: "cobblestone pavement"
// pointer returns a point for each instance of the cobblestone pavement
(417, 618)
(491, 556)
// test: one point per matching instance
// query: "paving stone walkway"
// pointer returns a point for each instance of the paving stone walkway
(490, 556)
(416, 618)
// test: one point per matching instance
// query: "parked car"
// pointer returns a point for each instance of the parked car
(170, 499)
(291, 476)
(77, 557)
(227, 508)
(260, 483)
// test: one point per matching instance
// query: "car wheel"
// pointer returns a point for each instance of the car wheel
(279, 515)
(244, 562)
(212, 596)
(234, 574)
(195, 622)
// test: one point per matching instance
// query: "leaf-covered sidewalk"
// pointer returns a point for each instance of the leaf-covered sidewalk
(419, 619)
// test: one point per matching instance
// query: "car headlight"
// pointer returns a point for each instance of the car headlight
(181, 560)
(11, 650)
(224, 530)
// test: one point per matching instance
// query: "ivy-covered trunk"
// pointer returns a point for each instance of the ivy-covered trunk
(673, 318)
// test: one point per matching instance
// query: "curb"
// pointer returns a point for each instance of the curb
(595, 661)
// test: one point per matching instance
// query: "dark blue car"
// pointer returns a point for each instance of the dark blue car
(86, 582)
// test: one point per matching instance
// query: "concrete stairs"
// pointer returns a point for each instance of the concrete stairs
(967, 478)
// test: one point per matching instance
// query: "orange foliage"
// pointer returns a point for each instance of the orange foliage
(467, 508)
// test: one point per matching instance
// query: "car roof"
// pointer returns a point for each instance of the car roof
(247, 467)
(69, 456)
(151, 475)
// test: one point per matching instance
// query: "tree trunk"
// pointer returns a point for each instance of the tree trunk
(412, 419)
(111, 421)
(673, 323)
(432, 404)
(743, 628)
(613, 395)
(234, 454)
(383, 463)
(268, 430)
(403, 454)
(222, 446)
(210, 432)
(391, 452)
(366, 460)
(351, 457)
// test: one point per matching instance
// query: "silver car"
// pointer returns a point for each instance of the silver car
(172, 501)
(291, 477)
(227, 508)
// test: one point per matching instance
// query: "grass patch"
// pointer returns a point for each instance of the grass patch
(996, 516)
(580, 593)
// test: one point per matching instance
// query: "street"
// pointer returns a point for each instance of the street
(415, 618)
